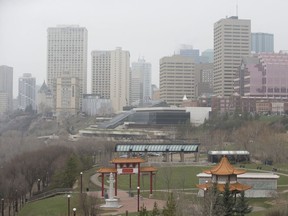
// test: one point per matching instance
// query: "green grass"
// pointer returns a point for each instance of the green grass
(86, 181)
(54, 206)
(180, 178)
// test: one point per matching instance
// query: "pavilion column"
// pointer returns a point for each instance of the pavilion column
(116, 182)
(181, 156)
(130, 184)
(151, 182)
(102, 183)
(138, 184)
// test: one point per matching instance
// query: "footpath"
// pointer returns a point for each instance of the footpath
(128, 203)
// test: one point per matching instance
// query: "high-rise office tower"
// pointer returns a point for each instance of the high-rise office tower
(27, 92)
(111, 76)
(67, 53)
(100, 68)
(6, 86)
(177, 78)
(232, 39)
(262, 42)
(141, 80)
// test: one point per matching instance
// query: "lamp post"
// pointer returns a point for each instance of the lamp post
(2, 206)
(38, 184)
(138, 196)
(68, 196)
(74, 211)
(81, 175)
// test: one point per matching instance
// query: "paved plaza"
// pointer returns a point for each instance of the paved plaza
(128, 203)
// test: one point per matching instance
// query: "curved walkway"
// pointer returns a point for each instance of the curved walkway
(128, 203)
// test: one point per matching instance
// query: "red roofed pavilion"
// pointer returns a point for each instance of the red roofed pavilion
(127, 166)
(224, 173)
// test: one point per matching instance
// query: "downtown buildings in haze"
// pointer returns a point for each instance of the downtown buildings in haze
(27, 92)
(141, 81)
(6, 88)
(262, 42)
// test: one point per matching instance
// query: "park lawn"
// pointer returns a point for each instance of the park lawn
(86, 181)
(54, 206)
(166, 178)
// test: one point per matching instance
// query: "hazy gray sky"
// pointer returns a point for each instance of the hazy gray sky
(150, 28)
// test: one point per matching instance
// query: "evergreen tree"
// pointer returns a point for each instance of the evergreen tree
(217, 207)
(155, 211)
(227, 201)
(242, 207)
(71, 171)
(170, 208)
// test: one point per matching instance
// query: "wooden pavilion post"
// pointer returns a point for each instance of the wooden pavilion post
(116, 183)
(138, 184)
(102, 184)
(151, 183)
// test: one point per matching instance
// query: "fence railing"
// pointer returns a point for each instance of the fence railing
(50, 193)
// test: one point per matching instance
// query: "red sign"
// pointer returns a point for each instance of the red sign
(127, 170)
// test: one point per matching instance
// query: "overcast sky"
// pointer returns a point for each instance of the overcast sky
(150, 28)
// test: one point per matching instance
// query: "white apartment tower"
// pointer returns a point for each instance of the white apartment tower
(27, 91)
(141, 72)
(67, 53)
(6, 87)
(177, 79)
(111, 76)
(232, 39)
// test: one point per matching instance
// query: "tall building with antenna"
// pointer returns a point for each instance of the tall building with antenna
(232, 38)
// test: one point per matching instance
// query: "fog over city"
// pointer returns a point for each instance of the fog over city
(150, 29)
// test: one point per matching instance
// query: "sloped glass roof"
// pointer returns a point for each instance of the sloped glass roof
(156, 147)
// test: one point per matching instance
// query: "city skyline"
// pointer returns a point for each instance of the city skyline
(126, 24)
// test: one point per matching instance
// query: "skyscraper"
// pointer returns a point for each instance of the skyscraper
(67, 53)
(101, 61)
(232, 39)
(262, 42)
(6, 86)
(141, 80)
(177, 79)
(111, 76)
(26, 92)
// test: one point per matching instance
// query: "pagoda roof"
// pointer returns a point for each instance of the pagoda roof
(224, 168)
(127, 160)
(235, 187)
(107, 170)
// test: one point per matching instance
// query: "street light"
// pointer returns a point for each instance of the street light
(74, 211)
(68, 196)
(81, 174)
(2, 206)
(138, 196)
(38, 184)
